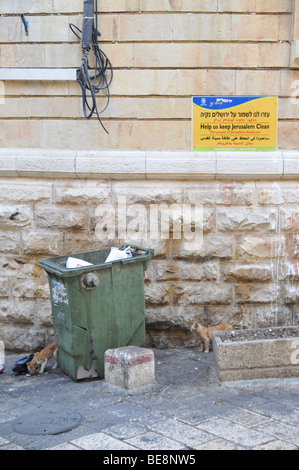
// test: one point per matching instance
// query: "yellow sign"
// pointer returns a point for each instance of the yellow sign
(234, 123)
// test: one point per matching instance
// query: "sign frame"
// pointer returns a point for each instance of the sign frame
(225, 112)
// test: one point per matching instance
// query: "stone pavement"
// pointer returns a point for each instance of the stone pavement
(189, 409)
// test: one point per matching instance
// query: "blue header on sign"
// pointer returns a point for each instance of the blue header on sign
(222, 102)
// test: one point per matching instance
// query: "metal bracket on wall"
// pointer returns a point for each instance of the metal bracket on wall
(26, 25)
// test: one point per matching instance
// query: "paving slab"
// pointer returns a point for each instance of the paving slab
(182, 432)
(189, 409)
(234, 432)
(101, 441)
(155, 441)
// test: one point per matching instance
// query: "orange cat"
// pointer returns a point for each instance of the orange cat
(205, 332)
(41, 358)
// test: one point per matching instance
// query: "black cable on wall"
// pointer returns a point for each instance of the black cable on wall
(97, 78)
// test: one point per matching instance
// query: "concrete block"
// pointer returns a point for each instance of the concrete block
(257, 359)
(130, 367)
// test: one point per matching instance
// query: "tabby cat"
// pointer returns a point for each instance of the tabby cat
(205, 332)
(41, 358)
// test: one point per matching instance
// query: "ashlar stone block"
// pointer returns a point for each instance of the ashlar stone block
(130, 367)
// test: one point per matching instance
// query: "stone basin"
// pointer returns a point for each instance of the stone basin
(274, 356)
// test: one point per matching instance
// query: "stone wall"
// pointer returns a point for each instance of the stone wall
(163, 52)
(56, 167)
(247, 270)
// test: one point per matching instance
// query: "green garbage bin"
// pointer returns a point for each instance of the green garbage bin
(96, 308)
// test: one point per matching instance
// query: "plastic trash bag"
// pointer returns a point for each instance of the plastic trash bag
(1, 368)
(116, 254)
(72, 263)
(20, 366)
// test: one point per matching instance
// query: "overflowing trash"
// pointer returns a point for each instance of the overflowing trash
(72, 263)
(117, 254)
